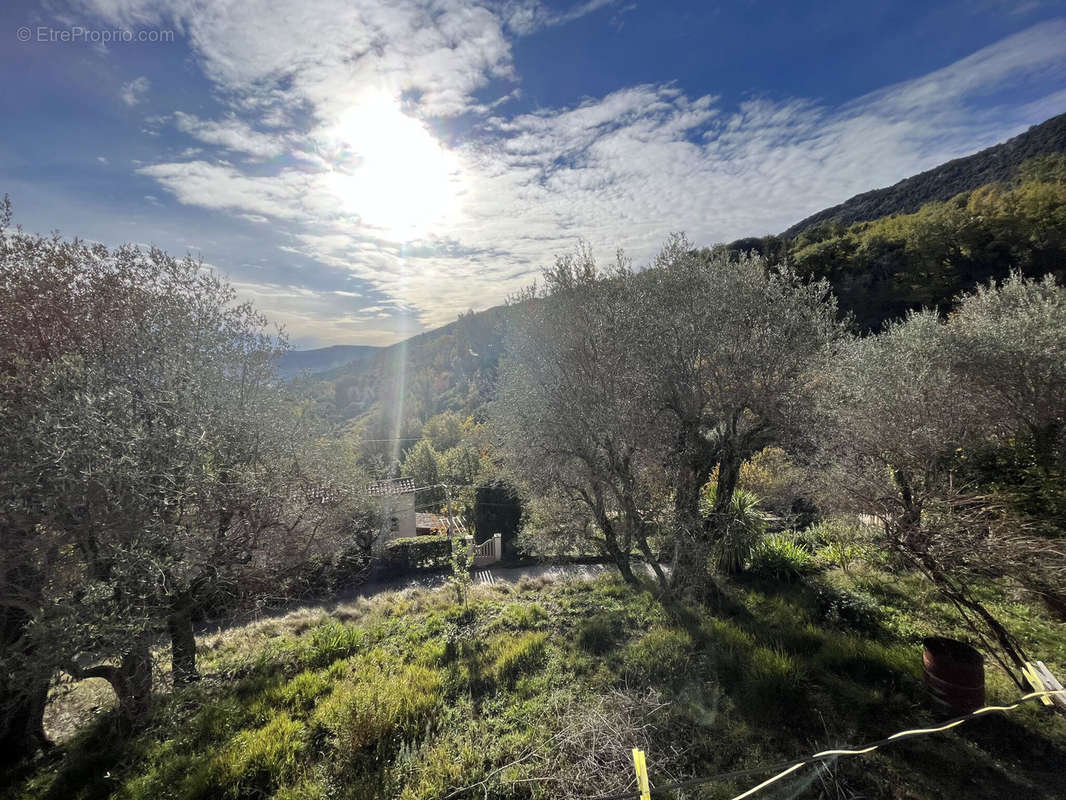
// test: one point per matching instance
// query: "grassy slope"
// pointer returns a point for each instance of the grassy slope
(410, 696)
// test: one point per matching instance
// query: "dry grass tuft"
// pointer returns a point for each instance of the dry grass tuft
(594, 749)
(529, 583)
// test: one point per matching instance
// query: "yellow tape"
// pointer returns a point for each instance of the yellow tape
(1036, 682)
(641, 767)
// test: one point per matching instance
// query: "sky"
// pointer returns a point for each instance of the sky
(363, 170)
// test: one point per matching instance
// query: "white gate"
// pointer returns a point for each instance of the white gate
(488, 552)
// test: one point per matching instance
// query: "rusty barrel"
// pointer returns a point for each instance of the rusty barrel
(954, 675)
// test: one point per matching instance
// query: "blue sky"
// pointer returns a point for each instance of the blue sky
(364, 170)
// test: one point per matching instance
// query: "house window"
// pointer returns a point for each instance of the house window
(394, 524)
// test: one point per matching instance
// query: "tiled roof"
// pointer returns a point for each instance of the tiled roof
(325, 493)
(431, 521)
(391, 486)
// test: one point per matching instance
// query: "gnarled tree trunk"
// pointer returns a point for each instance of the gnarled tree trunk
(22, 702)
(131, 680)
(182, 646)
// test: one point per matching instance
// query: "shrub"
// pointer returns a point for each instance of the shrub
(598, 634)
(773, 477)
(782, 557)
(514, 656)
(418, 552)
(307, 578)
(846, 609)
(743, 529)
(837, 541)
(322, 574)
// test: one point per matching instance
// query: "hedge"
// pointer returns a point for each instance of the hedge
(418, 552)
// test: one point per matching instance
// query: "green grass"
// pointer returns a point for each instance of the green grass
(539, 690)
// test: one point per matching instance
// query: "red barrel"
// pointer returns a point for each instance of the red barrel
(954, 675)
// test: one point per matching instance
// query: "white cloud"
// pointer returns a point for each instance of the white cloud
(133, 92)
(529, 16)
(231, 134)
(223, 187)
(266, 53)
(623, 169)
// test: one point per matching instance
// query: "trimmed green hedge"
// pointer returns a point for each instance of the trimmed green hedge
(418, 552)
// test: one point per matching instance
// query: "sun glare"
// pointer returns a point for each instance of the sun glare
(389, 169)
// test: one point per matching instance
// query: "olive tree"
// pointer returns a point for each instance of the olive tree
(726, 345)
(62, 309)
(150, 456)
(901, 411)
(1007, 344)
(570, 410)
(629, 389)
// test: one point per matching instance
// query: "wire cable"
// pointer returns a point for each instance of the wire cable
(788, 767)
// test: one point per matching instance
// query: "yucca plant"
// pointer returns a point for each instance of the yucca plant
(742, 530)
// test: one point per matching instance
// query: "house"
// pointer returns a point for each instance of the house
(400, 520)
(397, 498)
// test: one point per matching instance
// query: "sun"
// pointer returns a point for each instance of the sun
(388, 169)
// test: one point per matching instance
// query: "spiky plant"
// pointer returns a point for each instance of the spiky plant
(742, 530)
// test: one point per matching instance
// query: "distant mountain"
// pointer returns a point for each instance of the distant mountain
(993, 165)
(297, 362)
(449, 368)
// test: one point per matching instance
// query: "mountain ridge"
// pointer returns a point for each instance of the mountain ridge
(293, 363)
(991, 165)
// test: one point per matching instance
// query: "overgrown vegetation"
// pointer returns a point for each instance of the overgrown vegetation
(633, 402)
(540, 690)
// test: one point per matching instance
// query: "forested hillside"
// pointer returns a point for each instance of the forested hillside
(994, 164)
(882, 268)
(450, 368)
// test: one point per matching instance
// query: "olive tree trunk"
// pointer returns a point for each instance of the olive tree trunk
(182, 647)
(130, 679)
(22, 702)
